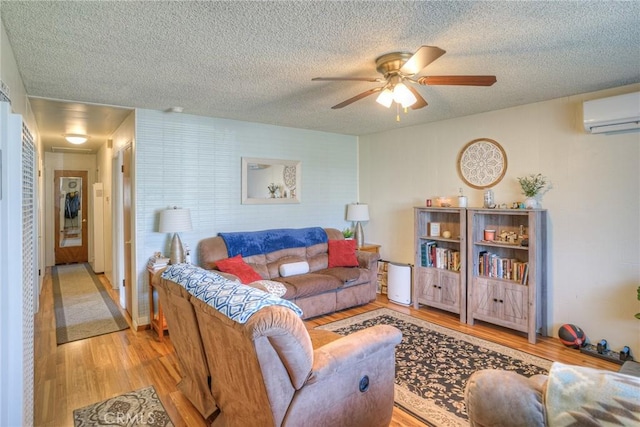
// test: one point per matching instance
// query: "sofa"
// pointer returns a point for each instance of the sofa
(331, 280)
(568, 396)
(247, 359)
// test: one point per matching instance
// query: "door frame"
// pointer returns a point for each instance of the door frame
(117, 231)
(85, 196)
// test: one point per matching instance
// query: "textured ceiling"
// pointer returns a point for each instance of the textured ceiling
(254, 61)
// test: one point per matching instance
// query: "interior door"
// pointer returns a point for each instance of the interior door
(71, 217)
(126, 215)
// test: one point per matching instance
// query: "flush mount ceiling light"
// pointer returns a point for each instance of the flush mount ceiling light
(76, 138)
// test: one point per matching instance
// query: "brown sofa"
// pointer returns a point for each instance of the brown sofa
(272, 371)
(320, 291)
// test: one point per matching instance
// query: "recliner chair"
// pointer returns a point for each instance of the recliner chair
(266, 372)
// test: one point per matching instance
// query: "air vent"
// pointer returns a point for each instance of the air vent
(71, 150)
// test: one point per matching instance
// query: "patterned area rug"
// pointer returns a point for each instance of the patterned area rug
(83, 306)
(433, 364)
(137, 408)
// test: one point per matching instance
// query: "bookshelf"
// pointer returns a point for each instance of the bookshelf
(439, 278)
(506, 277)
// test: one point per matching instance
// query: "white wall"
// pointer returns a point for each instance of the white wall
(195, 162)
(105, 161)
(593, 208)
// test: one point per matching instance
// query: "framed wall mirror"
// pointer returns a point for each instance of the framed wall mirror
(267, 181)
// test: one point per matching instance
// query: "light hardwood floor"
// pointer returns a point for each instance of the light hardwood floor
(77, 374)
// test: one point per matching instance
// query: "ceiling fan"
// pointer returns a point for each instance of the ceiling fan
(399, 68)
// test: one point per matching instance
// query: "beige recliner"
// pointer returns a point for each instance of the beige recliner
(266, 372)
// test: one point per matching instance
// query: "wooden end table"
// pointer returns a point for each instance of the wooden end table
(158, 323)
(370, 247)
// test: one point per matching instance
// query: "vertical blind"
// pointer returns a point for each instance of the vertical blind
(29, 266)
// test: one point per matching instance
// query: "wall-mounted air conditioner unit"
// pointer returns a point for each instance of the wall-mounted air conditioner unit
(614, 114)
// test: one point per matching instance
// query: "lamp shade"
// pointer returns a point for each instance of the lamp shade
(403, 96)
(175, 220)
(385, 98)
(357, 212)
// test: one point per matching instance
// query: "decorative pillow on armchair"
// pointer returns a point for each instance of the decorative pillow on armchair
(342, 253)
(238, 267)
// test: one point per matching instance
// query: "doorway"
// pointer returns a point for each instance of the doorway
(71, 238)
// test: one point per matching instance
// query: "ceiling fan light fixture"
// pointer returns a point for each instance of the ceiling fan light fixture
(75, 138)
(385, 98)
(403, 96)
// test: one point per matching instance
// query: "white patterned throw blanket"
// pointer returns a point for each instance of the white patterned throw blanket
(236, 301)
(578, 396)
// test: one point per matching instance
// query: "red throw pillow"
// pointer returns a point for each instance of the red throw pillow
(238, 267)
(342, 253)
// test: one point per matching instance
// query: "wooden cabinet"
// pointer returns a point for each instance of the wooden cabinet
(506, 276)
(440, 259)
(440, 289)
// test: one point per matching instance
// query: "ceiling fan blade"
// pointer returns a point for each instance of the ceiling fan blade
(458, 80)
(353, 79)
(357, 98)
(423, 57)
(421, 102)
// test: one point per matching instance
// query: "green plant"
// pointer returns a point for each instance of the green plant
(347, 233)
(638, 314)
(532, 184)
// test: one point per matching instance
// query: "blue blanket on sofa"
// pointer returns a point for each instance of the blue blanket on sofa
(261, 242)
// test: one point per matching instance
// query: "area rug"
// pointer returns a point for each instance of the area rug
(137, 408)
(433, 364)
(82, 305)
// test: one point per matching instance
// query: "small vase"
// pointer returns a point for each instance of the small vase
(530, 203)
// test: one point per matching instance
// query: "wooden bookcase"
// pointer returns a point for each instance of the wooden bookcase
(441, 285)
(506, 277)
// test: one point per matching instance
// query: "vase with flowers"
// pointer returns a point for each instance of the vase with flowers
(272, 190)
(533, 186)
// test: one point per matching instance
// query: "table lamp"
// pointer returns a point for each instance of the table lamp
(357, 213)
(175, 220)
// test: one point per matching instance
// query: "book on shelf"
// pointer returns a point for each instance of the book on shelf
(492, 265)
(444, 258)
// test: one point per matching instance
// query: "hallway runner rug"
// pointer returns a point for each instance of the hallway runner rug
(137, 408)
(82, 305)
(433, 364)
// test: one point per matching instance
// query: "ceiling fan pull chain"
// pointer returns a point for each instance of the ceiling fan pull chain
(397, 112)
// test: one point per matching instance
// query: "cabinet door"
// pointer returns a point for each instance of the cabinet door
(450, 288)
(428, 290)
(485, 297)
(515, 306)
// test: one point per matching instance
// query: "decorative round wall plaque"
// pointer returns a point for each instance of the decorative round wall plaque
(289, 176)
(482, 163)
